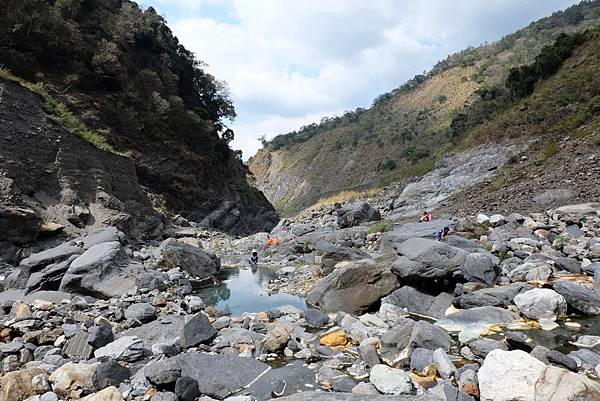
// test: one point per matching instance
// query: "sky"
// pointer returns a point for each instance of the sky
(289, 63)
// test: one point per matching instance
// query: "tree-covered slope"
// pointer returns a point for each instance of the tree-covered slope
(407, 130)
(116, 76)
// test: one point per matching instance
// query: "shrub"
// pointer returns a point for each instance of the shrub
(415, 154)
(381, 227)
(386, 165)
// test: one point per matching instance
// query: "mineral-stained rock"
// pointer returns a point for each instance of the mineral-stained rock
(17, 386)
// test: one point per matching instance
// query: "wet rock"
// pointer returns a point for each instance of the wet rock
(192, 259)
(578, 297)
(510, 375)
(353, 287)
(541, 303)
(196, 331)
(144, 312)
(356, 214)
(110, 373)
(126, 348)
(390, 381)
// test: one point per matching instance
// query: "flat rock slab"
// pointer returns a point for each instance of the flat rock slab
(164, 329)
(485, 315)
(219, 375)
(19, 295)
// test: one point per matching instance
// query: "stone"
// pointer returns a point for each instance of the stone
(531, 271)
(426, 335)
(497, 220)
(422, 258)
(420, 359)
(143, 311)
(192, 259)
(488, 315)
(337, 338)
(484, 346)
(17, 386)
(562, 360)
(100, 336)
(101, 272)
(77, 347)
(108, 394)
(196, 331)
(169, 396)
(316, 318)
(553, 196)
(445, 367)
(71, 379)
(390, 381)
(541, 303)
(368, 353)
(365, 388)
(501, 296)
(479, 267)
(151, 280)
(20, 309)
(420, 303)
(126, 348)
(276, 339)
(353, 287)
(193, 304)
(49, 396)
(482, 218)
(355, 214)
(12, 347)
(186, 388)
(468, 383)
(577, 212)
(162, 372)
(335, 254)
(568, 264)
(578, 297)
(517, 340)
(512, 375)
(110, 373)
(325, 396)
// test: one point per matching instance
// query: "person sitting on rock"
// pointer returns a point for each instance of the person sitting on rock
(440, 235)
(425, 216)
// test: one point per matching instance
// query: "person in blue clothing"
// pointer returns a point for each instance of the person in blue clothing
(441, 234)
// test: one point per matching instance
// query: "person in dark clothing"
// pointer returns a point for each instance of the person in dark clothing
(441, 234)
(254, 260)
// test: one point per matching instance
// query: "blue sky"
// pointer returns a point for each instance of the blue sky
(291, 62)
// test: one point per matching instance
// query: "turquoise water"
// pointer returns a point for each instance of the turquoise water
(244, 290)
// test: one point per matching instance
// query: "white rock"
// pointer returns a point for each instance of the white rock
(73, 378)
(389, 380)
(541, 303)
(516, 375)
(497, 220)
(126, 348)
(482, 218)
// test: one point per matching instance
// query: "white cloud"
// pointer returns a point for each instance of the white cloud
(291, 62)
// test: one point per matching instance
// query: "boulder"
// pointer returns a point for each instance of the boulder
(71, 379)
(541, 303)
(479, 268)
(100, 336)
(496, 296)
(335, 254)
(413, 230)
(426, 335)
(577, 212)
(422, 258)
(484, 315)
(276, 339)
(553, 196)
(578, 297)
(483, 346)
(196, 331)
(186, 388)
(516, 375)
(353, 287)
(110, 373)
(126, 348)
(143, 311)
(355, 214)
(192, 259)
(100, 272)
(316, 318)
(390, 381)
(420, 303)
(17, 386)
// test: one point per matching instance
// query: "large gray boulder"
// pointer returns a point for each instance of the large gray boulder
(420, 303)
(578, 297)
(516, 375)
(102, 272)
(353, 287)
(479, 268)
(541, 303)
(192, 259)
(422, 258)
(196, 331)
(426, 335)
(335, 254)
(495, 296)
(355, 214)
(484, 315)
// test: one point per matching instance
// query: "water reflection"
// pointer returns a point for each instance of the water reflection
(245, 290)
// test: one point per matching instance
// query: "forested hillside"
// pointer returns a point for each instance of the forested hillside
(407, 130)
